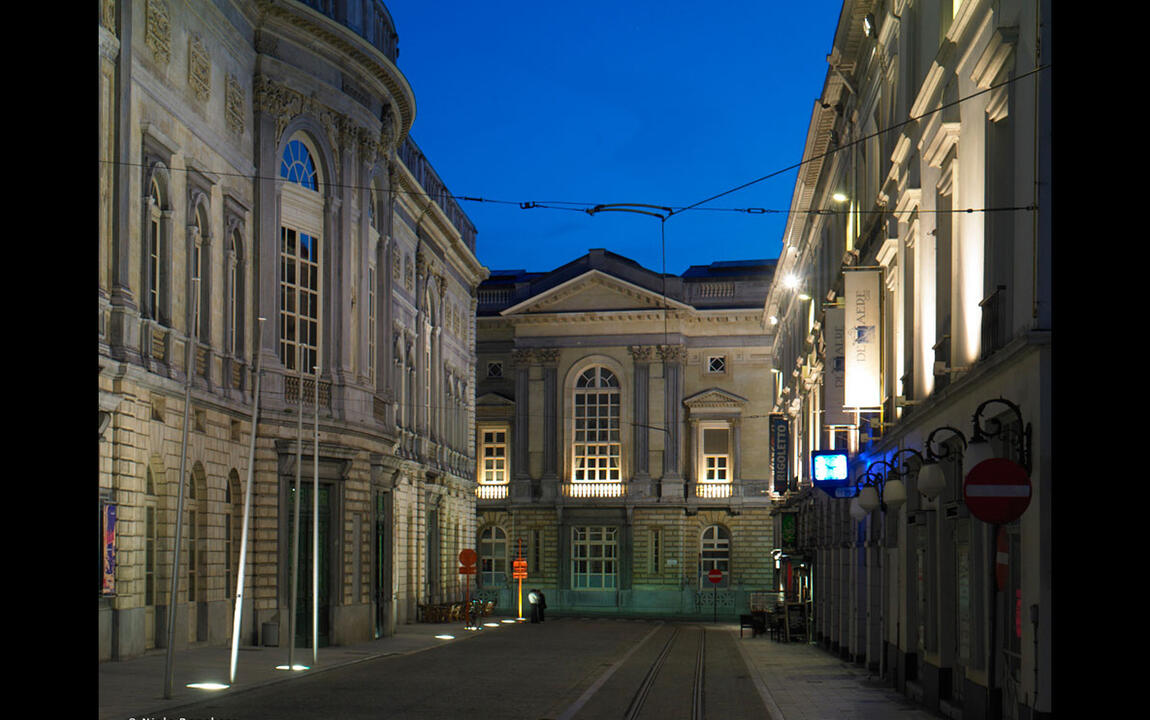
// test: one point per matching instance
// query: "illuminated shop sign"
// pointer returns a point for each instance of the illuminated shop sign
(830, 474)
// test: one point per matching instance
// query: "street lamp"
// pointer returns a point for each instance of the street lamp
(979, 448)
(881, 490)
(931, 480)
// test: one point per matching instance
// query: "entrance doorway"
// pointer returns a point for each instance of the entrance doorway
(303, 620)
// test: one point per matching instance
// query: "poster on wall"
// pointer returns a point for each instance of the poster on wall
(863, 357)
(834, 369)
(780, 451)
(109, 522)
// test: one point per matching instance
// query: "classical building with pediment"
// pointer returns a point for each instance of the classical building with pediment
(621, 425)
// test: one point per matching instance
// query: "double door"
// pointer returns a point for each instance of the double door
(312, 574)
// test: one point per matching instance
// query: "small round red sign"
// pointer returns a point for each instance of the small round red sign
(715, 576)
(997, 491)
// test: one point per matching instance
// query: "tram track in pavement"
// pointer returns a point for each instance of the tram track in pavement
(666, 675)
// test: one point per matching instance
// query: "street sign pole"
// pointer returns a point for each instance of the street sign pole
(467, 558)
(716, 577)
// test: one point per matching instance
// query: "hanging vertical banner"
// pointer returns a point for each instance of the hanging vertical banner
(109, 585)
(780, 449)
(834, 369)
(863, 367)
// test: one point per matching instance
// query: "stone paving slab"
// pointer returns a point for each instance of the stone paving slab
(797, 681)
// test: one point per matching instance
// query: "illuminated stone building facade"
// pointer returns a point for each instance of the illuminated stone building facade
(620, 419)
(262, 205)
(928, 171)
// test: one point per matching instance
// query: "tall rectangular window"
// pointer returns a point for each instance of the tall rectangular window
(371, 324)
(716, 454)
(493, 452)
(299, 300)
(594, 552)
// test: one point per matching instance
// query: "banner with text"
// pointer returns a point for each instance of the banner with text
(834, 377)
(863, 367)
(781, 451)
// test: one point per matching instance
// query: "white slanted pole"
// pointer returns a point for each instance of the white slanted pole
(188, 371)
(315, 529)
(239, 606)
(296, 504)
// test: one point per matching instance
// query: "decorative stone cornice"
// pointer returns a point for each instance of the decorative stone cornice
(522, 357)
(673, 354)
(642, 353)
(548, 357)
(285, 104)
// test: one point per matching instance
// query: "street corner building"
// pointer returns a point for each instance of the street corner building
(913, 316)
(621, 417)
(262, 206)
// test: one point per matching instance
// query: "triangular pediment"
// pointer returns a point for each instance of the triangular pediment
(594, 291)
(715, 399)
(494, 399)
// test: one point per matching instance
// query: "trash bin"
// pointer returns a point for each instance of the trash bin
(270, 632)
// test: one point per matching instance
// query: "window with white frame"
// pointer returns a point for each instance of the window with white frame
(715, 553)
(597, 446)
(716, 445)
(594, 557)
(492, 557)
(300, 223)
(493, 454)
(716, 364)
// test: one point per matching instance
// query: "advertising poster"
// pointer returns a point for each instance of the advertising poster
(834, 369)
(863, 345)
(109, 522)
(780, 451)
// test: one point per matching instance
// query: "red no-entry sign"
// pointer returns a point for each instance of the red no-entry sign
(715, 576)
(997, 491)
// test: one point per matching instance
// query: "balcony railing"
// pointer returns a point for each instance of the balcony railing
(594, 489)
(417, 164)
(712, 490)
(491, 492)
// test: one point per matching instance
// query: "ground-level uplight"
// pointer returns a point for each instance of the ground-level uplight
(445, 637)
(297, 667)
(209, 686)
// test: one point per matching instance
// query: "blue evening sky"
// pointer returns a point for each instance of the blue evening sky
(632, 101)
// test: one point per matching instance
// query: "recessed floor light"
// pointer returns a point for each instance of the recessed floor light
(209, 686)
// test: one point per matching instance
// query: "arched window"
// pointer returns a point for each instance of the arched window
(297, 165)
(301, 223)
(715, 552)
(199, 271)
(235, 299)
(492, 557)
(596, 448)
(155, 279)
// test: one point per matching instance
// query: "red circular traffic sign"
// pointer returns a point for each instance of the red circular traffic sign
(715, 576)
(997, 491)
(467, 557)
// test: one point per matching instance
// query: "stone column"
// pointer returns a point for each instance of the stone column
(673, 357)
(520, 477)
(549, 357)
(641, 476)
